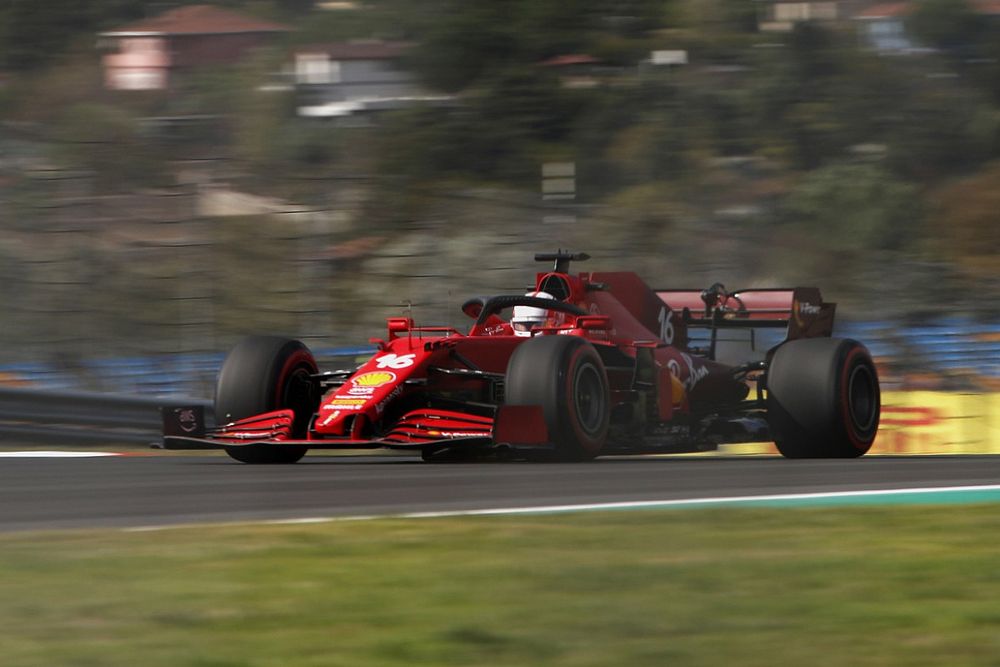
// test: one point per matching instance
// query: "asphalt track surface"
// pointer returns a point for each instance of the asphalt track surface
(156, 491)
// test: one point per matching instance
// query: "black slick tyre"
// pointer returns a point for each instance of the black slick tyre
(823, 398)
(262, 374)
(566, 377)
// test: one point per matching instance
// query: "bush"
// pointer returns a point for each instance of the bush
(855, 207)
(106, 141)
(963, 221)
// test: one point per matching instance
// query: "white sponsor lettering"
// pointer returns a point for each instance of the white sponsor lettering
(695, 373)
(395, 361)
(806, 308)
(343, 403)
(666, 325)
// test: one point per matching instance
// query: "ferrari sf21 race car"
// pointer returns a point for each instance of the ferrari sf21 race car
(606, 365)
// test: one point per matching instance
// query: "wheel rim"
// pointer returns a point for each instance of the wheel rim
(861, 398)
(589, 399)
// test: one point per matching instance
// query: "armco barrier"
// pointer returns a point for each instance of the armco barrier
(77, 418)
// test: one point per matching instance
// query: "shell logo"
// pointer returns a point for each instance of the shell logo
(375, 379)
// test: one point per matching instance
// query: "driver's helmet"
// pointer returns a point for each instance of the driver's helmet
(526, 317)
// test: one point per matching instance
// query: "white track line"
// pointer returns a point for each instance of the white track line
(647, 504)
(587, 507)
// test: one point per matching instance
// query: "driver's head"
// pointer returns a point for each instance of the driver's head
(527, 317)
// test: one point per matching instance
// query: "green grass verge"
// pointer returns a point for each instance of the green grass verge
(853, 586)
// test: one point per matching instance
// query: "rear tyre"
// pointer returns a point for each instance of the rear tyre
(823, 398)
(566, 377)
(262, 374)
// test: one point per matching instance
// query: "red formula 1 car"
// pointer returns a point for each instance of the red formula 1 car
(612, 366)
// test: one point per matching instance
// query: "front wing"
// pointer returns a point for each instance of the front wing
(175, 442)
(520, 426)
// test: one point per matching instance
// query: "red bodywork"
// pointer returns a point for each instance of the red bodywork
(434, 388)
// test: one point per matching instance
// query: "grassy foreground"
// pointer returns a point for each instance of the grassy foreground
(848, 586)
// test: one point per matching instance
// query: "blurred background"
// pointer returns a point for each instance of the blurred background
(174, 176)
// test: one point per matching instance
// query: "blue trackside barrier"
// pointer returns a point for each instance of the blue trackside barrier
(943, 346)
(168, 375)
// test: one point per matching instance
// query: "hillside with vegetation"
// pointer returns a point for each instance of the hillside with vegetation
(797, 157)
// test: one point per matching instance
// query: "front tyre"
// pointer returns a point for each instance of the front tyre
(566, 377)
(262, 374)
(823, 398)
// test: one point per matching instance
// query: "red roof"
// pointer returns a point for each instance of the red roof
(885, 10)
(359, 50)
(888, 10)
(569, 59)
(197, 20)
(985, 6)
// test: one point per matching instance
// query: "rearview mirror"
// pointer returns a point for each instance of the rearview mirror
(474, 306)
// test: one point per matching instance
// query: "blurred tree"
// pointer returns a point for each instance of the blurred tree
(964, 221)
(949, 25)
(866, 90)
(309, 145)
(712, 17)
(531, 101)
(258, 127)
(814, 127)
(722, 110)
(930, 136)
(656, 150)
(32, 33)
(422, 143)
(41, 96)
(986, 68)
(470, 39)
(855, 207)
(712, 30)
(633, 18)
(596, 127)
(642, 216)
(294, 7)
(498, 133)
(106, 141)
(800, 102)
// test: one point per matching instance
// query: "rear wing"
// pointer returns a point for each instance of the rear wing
(801, 311)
